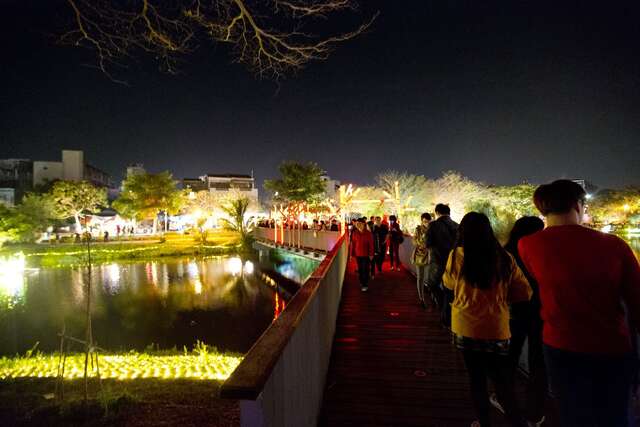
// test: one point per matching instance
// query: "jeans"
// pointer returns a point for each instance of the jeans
(363, 270)
(378, 258)
(394, 254)
(528, 326)
(593, 390)
(481, 365)
(434, 278)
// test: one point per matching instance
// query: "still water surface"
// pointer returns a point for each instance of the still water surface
(221, 301)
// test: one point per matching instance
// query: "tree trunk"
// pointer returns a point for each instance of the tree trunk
(155, 224)
(76, 216)
(166, 222)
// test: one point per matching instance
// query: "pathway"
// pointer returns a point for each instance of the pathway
(392, 364)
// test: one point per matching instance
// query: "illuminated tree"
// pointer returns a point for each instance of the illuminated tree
(615, 206)
(456, 191)
(299, 182)
(26, 221)
(205, 202)
(405, 194)
(515, 199)
(368, 201)
(271, 37)
(72, 199)
(144, 196)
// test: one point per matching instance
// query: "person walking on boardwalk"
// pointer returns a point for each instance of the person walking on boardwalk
(372, 264)
(420, 255)
(526, 324)
(484, 279)
(362, 250)
(394, 239)
(380, 231)
(441, 237)
(584, 277)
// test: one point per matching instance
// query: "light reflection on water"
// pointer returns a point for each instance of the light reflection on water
(220, 301)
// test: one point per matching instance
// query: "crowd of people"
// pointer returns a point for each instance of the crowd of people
(315, 225)
(571, 292)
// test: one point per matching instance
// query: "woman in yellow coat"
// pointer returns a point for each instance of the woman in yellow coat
(485, 279)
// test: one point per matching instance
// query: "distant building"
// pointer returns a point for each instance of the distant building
(135, 169)
(223, 183)
(16, 179)
(71, 168)
(332, 187)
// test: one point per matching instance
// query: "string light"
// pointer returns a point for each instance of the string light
(204, 366)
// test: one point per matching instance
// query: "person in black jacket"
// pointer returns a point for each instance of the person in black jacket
(380, 231)
(394, 238)
(441, 238)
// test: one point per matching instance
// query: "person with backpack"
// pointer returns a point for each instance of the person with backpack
(380, 231)
(440, 239)
(395, 239)
(586, 279)
(484, 279)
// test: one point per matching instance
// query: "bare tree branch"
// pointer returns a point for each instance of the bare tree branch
(267, 35)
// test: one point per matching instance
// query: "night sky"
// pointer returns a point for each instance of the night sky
(501, 91)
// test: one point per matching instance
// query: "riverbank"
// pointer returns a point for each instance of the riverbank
(139, 402)
(153, 247)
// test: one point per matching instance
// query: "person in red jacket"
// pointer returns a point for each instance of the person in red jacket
(586, 279)
(362, 249)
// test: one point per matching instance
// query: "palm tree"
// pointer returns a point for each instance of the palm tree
(236, 209)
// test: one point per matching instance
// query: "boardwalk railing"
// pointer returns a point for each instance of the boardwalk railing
(280, 381)
(295, 238)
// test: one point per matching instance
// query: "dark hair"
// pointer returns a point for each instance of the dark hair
(392, 218)
(362, 220)
(522, 227)
(426, 216)
(485, 261)
(558, 197)
(442, 209)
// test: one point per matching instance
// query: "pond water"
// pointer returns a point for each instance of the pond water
(222, 301)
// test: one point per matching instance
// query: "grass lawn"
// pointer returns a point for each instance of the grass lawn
(139, 402)
(219, 242)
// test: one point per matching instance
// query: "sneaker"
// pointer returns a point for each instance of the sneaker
(364, 289)
(536, 424)
(494, 402)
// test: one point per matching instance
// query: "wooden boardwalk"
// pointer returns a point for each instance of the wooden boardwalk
(392, 363)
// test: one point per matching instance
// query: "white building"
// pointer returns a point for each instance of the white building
(332, 188)
(71, 168)
(222, 184)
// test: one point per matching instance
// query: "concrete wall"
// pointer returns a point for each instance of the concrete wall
(320, 240)
(46, 171)
(72, 165)
(8, 196)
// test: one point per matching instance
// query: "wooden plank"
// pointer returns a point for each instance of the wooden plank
(392, 363)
